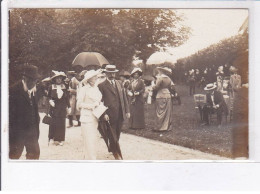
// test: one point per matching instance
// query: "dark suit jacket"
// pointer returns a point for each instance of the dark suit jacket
(115, 99)
(23, 113)
(218, 100)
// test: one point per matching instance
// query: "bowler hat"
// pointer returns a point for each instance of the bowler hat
(30, 71)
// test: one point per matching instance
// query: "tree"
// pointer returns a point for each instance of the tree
(51, 38)
(155, 30)
(228, 51)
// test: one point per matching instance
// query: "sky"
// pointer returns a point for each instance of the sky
(208, 26)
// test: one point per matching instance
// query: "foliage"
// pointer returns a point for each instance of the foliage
(157, 29)
(226, 51)
(51, 38)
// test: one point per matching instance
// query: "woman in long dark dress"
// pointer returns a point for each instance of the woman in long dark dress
(59, 102)
(136, 91)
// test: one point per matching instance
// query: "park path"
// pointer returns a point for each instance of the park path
(133, 148)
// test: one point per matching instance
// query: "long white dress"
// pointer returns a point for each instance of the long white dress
(89, 97)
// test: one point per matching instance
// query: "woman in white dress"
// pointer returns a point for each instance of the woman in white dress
(88, 99)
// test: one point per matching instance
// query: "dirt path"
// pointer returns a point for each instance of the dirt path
(133, 148)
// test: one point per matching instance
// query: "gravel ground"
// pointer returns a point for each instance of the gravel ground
(133, 148)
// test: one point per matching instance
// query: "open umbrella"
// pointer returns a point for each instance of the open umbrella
(85, 59)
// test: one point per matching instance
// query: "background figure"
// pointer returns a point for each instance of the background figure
(23, 116)
(192, 81)
(59, 102)
(148, 92)
(73, 85)
(136, 90)
(115, 99)
(235, 81)
(88, 99)
(197, 77)
(215, 104)
(163, 99)
(226, 70)
(220, 78)
(124, 78)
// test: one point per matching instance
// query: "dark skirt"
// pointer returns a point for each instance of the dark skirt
(137, 115)
(57, 129)
(163, 114)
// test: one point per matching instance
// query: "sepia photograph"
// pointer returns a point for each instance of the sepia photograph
(128, 84)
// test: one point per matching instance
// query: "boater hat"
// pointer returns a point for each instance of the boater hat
(210, 87)
(111, 69)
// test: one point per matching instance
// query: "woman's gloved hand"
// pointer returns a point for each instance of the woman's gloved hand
(52, 103)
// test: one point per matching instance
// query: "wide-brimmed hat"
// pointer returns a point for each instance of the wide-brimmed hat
(58, 74)
(111, 69)
(30, 71)
(47, 79)
(82, 73)
(211, 86)
(165, 70)
(124, 74)
(233, 69)
(137, 70)
(90, 74)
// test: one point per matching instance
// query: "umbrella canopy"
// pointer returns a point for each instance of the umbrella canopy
(85, 59)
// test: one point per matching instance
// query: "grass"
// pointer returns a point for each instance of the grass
(187, 130)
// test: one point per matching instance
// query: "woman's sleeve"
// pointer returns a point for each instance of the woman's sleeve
(157, 84)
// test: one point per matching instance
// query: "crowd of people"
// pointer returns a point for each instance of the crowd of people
(219, 86)
(95, 99)
(226, 78)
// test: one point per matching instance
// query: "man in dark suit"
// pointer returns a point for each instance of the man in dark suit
(23, 116)
(115, 99)
(215, 104)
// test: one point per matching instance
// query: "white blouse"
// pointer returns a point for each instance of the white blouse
(88, 98)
